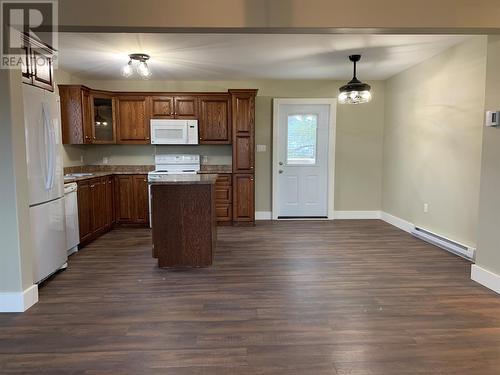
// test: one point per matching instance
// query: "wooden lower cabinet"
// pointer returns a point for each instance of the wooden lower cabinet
(95, 208)
(141, 204)
(85, 207)
(224, 199)
(131, 199)
(104, 201)
(109, 201)
(243, 199)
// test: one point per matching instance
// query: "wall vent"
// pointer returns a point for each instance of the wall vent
(456, 248)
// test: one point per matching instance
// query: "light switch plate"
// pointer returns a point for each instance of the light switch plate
(492, 118)
(261, 148)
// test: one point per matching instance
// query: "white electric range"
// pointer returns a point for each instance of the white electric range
(171, 164)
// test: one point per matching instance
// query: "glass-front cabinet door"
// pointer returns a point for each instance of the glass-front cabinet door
(103, 124)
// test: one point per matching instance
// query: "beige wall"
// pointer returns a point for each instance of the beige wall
(358, 146)
(488, 252)
(432, 141)
(160, 14)
(16, 271)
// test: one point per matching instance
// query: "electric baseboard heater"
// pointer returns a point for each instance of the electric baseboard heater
(456, 248)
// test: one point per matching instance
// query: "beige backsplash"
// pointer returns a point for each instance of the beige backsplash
(140, 154)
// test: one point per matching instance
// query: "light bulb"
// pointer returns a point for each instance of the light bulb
(143, 70)
(127, 70)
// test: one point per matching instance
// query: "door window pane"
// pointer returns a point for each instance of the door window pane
(301, 139)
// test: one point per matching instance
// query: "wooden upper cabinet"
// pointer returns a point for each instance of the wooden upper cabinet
(243, 119)
(214, 123)
(162, 107)
(186, 107)
(243, 107)
(86, 116)
(76, 116)
(133, 119)
(103, 123)
(37, 69)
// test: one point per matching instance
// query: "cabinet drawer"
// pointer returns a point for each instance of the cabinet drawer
(223, 179)
(224, 212)
(223, 194)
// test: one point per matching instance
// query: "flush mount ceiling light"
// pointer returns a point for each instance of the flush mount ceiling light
(137, 61)
(355, 91)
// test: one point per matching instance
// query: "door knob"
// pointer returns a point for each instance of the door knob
(280, 171)
(280, 163)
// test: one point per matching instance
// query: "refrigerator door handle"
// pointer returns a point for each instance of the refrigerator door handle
(49, 148)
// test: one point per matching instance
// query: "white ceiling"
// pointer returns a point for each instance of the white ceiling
(248, 56)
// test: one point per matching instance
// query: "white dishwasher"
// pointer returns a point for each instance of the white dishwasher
(71, 214)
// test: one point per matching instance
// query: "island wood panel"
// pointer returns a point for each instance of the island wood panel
(356, 297)
(185, 237)
(133, 119)
(215, 123)
(162, 107)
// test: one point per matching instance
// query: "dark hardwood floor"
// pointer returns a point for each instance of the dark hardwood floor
(343, 297)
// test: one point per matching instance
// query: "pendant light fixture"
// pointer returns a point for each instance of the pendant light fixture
(355, 91)
(137, 60)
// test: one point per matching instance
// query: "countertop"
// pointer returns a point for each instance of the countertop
(187, 179)
(109, 170)
(97, 175)
(220, 169)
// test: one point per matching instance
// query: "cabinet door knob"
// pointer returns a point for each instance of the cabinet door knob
(147, 138)
(145, 180)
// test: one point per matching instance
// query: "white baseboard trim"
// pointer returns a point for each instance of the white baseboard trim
(263, 215)
(357, 215)
(19, 302)
(486, 278)
(397, 222)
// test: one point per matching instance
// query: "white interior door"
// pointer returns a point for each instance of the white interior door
(302, 161)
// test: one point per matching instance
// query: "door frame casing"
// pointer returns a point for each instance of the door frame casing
(332, 127)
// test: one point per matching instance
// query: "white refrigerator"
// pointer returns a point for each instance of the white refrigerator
(46, 182)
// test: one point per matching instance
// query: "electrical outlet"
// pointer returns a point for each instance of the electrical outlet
(261, 148)
(105, 160)
(81, 158)
(426, 207)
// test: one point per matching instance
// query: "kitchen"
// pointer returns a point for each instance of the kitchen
(166, 257)
(151, 118)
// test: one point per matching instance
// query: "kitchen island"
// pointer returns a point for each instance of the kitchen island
(183, 220)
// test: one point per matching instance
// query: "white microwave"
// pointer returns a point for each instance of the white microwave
(174, 132)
